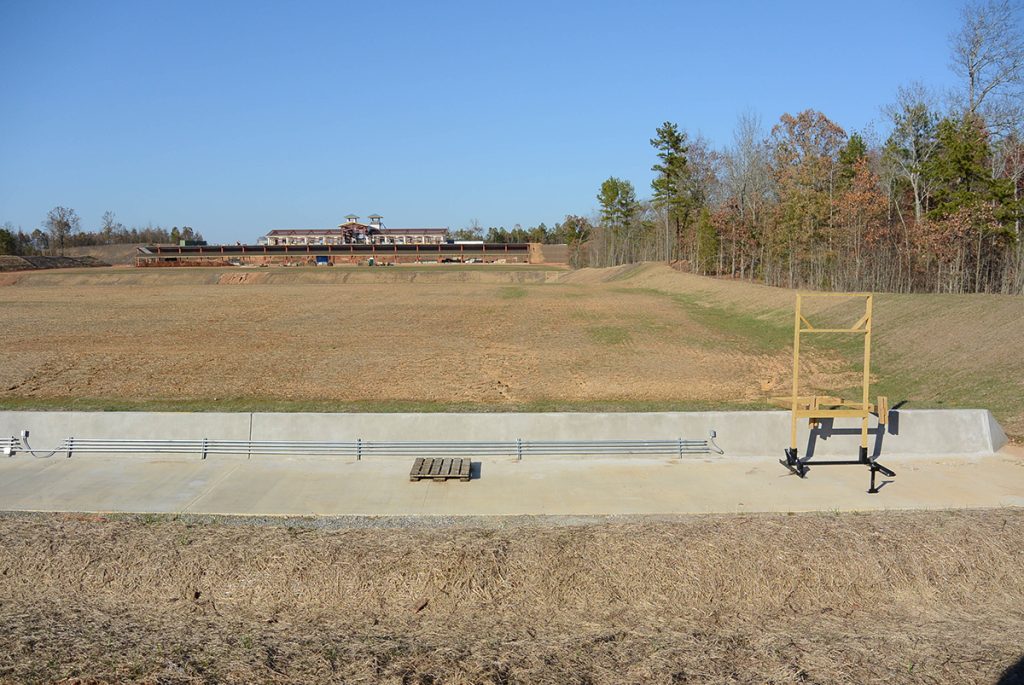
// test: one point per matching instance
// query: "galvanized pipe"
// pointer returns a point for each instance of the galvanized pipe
(360, 448)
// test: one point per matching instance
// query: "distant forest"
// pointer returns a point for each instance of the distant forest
(936, 205)
(62, 229)
(559, 233)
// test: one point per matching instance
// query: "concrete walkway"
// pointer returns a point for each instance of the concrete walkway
(566, 487)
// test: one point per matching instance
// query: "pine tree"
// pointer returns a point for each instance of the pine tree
(672, 184)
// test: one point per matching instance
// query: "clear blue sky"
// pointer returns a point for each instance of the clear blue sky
(235, 118)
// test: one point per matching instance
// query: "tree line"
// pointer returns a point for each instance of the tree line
(62, 229)
(540, 233)
(936, 205)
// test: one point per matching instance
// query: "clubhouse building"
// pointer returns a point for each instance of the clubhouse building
(354, 232)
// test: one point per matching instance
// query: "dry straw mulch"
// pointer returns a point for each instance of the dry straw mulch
(927, 597)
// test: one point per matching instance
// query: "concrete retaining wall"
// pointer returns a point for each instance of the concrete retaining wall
(936, 433)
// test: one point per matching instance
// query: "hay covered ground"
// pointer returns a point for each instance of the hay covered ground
(484, 338)
(925, 597)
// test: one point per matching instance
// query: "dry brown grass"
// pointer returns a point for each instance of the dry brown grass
(430, 340)
(488, 339)
(933, 597)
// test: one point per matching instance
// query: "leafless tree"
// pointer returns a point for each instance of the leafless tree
(988, 52)
(61, 223)
(747, 184)
(913, 141)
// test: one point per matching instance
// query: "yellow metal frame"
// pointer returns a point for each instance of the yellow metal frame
(816, 407)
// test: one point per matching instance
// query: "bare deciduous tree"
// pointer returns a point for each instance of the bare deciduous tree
(61, 223)
(913, 141)
(988, 52)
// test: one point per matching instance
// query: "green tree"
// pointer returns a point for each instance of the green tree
(975, 211)
(497, 235)
(175, 235)
(961, 171)
(618, 202)
(576, 231)
(849, 155)
(8, 243)
(518, 234)
(619, 208)
(671, 186)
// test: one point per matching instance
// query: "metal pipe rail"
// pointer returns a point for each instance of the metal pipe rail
(359, 448)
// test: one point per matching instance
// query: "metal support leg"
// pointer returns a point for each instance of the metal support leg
(878, 468)
(793, 462)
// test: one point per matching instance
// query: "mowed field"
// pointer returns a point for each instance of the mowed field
(437, 338)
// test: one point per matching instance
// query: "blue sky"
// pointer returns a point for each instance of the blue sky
(235, 118)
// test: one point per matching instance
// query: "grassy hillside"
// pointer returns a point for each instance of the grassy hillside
(641, 337)
(928, 350)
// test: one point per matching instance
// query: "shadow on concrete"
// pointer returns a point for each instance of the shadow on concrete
(1014, 675)
(826, 429)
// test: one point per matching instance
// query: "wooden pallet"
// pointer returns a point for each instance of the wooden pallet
(442, 469)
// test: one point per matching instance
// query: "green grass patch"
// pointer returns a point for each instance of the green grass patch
(609, 335)
(755, 333)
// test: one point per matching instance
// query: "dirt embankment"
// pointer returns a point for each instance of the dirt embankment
(10, 263)
(923, 597)
(112, 254)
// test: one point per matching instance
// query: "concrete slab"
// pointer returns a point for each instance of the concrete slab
(927, 432)
(48, 428)
(500, 487)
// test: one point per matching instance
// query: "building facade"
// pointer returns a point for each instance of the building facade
(355, 232)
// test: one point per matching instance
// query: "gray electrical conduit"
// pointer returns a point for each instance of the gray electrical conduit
(411, 448)
(35, 453)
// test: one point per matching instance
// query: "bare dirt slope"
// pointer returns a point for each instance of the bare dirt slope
(634, 337)
(929, 597)
(12, 263)
(112, 254)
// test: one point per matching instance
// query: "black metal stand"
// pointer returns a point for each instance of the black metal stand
(800, 466)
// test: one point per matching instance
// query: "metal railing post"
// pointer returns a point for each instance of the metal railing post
(519, 449)
(680, 448)
(71, 445)
(359, 449)
(204, 448)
